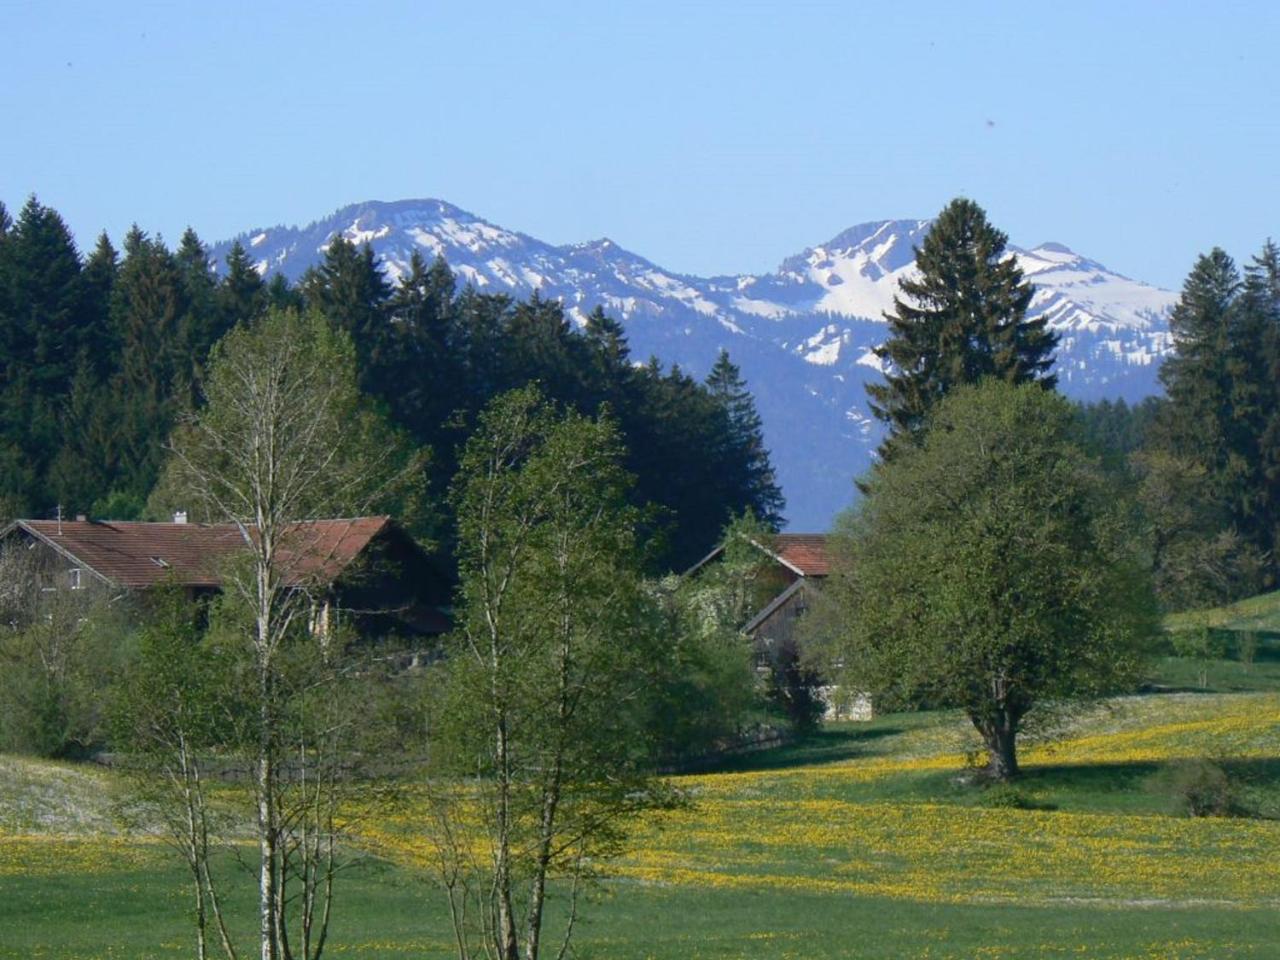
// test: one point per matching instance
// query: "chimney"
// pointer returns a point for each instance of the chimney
(81, 517)
(180, 516)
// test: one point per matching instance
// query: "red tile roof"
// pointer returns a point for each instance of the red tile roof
(138, 555)
(319, 550)
(806, 552)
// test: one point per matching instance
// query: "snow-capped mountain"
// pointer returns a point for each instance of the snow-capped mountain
(802, 335)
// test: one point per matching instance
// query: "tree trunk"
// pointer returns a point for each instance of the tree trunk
(202, 950)
(551, 799)
(999, 732)
(1003, 763)
(507, 940)
(551, 788)
(269, 860)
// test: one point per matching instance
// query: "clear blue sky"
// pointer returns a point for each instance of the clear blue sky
(710, 137)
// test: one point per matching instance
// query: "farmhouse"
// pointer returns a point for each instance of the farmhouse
(796, 564)
(363, 571)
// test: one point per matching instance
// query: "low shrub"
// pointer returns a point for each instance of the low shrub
(1201, 788)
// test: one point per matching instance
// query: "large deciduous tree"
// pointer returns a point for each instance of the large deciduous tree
(963, 319)
(989, 568)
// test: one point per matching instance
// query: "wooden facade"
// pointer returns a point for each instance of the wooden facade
(365, 572)
(799, 563)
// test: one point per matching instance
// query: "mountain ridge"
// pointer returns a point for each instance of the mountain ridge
(803, 334)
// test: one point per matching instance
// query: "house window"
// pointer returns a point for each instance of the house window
(73, 578)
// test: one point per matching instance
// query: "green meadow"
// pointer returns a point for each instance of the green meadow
(863, 840)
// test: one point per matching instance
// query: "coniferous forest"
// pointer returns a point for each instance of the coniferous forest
(101, 354)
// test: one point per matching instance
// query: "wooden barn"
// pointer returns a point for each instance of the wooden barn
(364, 571)
(798, 565)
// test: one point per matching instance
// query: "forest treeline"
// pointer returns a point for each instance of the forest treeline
(1204, 460)
(101, 355)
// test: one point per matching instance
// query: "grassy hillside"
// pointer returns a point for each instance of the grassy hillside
(1255, 613)
(864, 841)
(47, 797)
(1245, 642)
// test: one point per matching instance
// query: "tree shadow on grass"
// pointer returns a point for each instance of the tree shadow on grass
(1257, 779)
(1091, 778)
(819, 747)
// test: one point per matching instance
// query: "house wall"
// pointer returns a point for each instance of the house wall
(781, 626)
(34, 576)
(780, 629)
(392, 591)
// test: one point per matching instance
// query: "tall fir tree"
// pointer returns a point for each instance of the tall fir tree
(282, 296)
(1202, 472)
(745, 448)
(1261, 302)
(607, 335)
(1197, 376)
(349, 289)
(421, 381)
(98, 279)
(40, 343)
(242, 294)
(147, 306)
(540, 345)
(962, 320)
(200, 325)
(45, 296)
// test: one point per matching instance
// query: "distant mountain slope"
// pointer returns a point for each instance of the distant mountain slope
(802, 335)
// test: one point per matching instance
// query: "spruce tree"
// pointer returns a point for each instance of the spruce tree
(97, 281)
(45, 296)
(282, 296)
(748, 459)
(1261, 302)
(147, 304)
(201, 325)
(421, 378)
(540, 345)
(1201, 472)
(349, 289)
(961, 321)
(609, 339)
(1197, 376)
(40, 342)
(242, 295)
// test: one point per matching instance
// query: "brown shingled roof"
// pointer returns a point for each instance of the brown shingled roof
(806, 552)
(138, 555)
(321, 549)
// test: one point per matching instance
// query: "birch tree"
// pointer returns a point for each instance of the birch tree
(539, 739)
(283, 438)
(172, 713)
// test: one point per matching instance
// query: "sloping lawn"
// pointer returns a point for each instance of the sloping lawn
(864, 841)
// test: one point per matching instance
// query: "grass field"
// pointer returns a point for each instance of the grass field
(862, 841)
(1249, 634)
(1255, 613)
